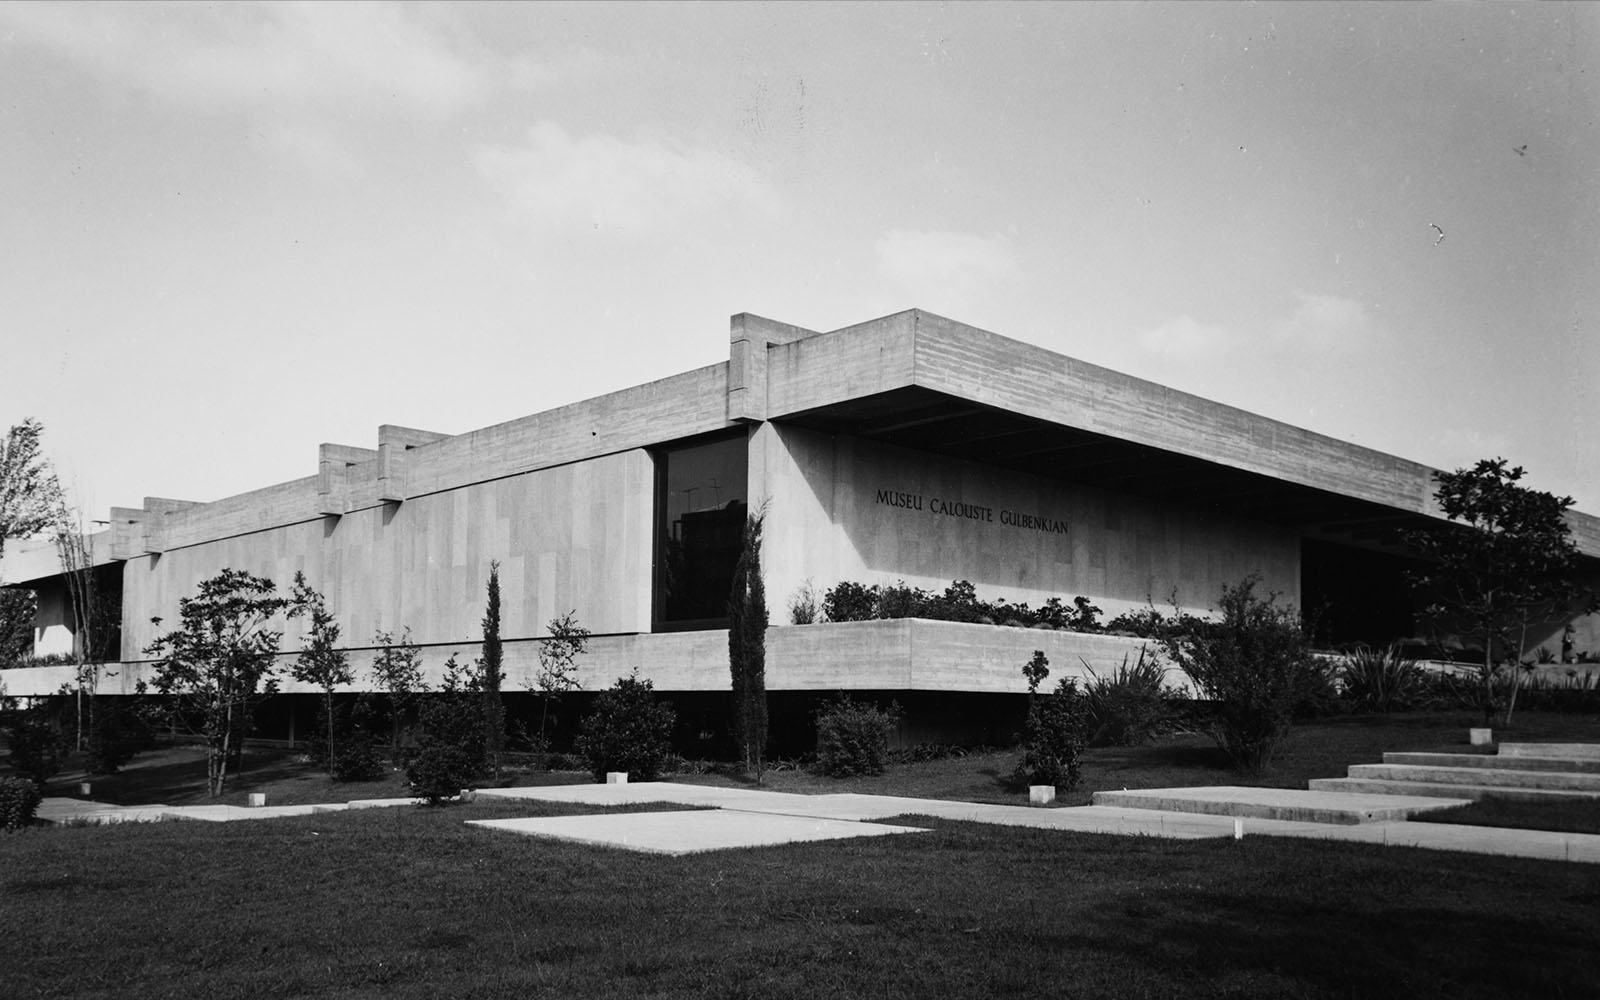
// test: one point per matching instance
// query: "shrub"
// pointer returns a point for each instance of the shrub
(19, 800)
(1085, 616)
(627, 731)
(454, 715)
(122, 728)
(1130, 706)
(853, 738)
(803, 608)
(959, 603)
(1254, 665)
(1381, 680)
(1053, 740)
(850, 602)
(1146, 623)
(440, 771)
(901, 601)
(356, 759)
(37, 746)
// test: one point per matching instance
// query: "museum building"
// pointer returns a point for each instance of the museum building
(909, 448)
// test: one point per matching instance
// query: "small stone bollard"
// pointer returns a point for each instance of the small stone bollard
(1041, 795)
(1481, 737)
(258, 798)
(83, 789)
(467, 795)
(616, 777)
(1238, 829)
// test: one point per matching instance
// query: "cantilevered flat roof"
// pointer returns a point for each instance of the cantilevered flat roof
(925, 382)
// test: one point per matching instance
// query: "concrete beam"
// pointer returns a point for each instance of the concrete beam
(750, 337)
(393, 444)
(333, 476)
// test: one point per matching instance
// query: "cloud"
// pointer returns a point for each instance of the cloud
(1185, 339)
(943, 270)
(1327, 324)
(1319, 326)
(555, 180)
(233, 57)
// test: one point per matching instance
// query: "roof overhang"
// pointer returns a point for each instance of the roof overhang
(923, 382)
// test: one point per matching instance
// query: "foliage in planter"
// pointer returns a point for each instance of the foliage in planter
(628, 730)
(1146, 623)
(804, 607)
(1053, 739)
(1254, 664)
(19, 800)
(853, 738)
(1381, 680)
(1131, 705)
(852, 602)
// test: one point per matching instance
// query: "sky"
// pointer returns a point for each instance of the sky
(229, 233)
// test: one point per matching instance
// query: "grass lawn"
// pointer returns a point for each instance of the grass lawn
(1321, 749)
(176, 776)
(1562, 817)
(409, 902)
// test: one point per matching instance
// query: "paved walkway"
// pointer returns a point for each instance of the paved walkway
(753, 817)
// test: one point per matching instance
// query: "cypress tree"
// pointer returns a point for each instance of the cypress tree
(747, 649)
(490, 674)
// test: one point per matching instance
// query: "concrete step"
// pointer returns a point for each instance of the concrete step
(1495, 777)
(1378, 786)
(1570, 751)
(1343, 808)
(1492, 762)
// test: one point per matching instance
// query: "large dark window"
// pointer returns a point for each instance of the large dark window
(700, 512)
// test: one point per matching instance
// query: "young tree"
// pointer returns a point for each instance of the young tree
(557, 662)
(490, 675)
(747, 649)
(77, 565)
(397, 669)
(1506, 563)
(321, 661)
(30, 496)
(219, 661)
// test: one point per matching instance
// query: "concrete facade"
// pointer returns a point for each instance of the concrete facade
(910, 448)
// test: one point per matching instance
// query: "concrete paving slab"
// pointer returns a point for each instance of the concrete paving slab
(1293, 804)
(1584, 751)
(1433, 774)
(710, 796)
(1472, 760)
(1396, 789)
(233, 814)
(689, 832)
